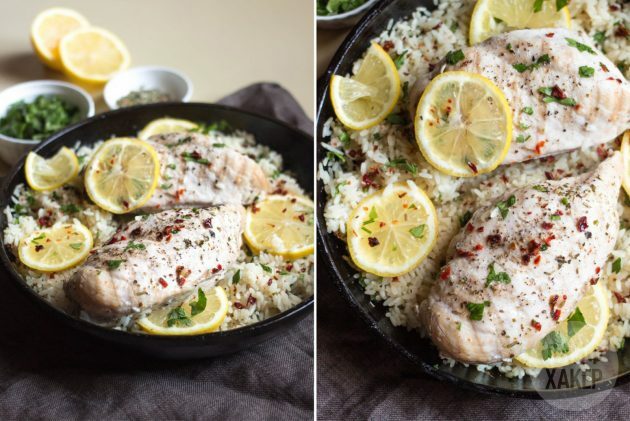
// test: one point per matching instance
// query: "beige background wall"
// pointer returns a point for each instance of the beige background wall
(221, 45)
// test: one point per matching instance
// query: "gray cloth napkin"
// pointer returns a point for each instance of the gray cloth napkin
(48, 371)
(360, 378)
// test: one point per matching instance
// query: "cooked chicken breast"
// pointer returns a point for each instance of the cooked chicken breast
(196, 172)
(562, 62)
(156, 259)
(521, 265)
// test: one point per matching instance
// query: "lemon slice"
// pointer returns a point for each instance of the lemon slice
(47, 30)
(281, 225)
(92, 55)
(57, 248)
(48, 174)
(122, 174)
(492, 17)
(166, 125)
(182, 322)
(369, 96)
(390, 232)
(594, 308)
(463, 124)
(625, 154)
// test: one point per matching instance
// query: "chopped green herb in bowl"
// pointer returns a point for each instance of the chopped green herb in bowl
(336, 7)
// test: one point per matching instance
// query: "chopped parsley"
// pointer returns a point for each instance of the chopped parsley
(599, 37)
(616, 265)
(476, 309)
(114, 264)
(198, 306)
(540, 188)
(522, 67)
(554, 342)
(418, 231)
(565, 202)
(194, 157)
(538, 4)
(265, 268)
(39, 237)
(493, 276)
(134, 246)
(70, 208)
(219, 126)
(333, 153)
(523, 126)
(548, 96)
(171, 166)
(575, 322)
(344, 138)
(560, 4)
(403, 164)
(453, 57)
(522, 139)
(586, 71)
(180, 142)
(505, 205)
(178, 316)
(338, 187)
(236, 277)
(581, 47)
(166, 186)
(528, 110)
(509, 48)
(400, 60)
(555, 217)
(76, 246)
(463, 220)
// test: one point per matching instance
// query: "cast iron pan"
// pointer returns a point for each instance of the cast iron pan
(296, 148)
(330, 249)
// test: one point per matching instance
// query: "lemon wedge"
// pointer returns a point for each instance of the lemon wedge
(463, 124)
(202, 312)
(47, 30)
(365, 99)
(48, 174)
(57, 248)
(92, 55)
(390, 232)
(122, 175)
(281, 225)
(166, 125)
(492, 17)
(625, 154)
(590, 319)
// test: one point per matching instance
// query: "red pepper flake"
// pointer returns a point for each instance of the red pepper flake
(239, 305)
(368, 179)
(539, 146)
(614, 7)
(537, 260)
(604, 67)
(179, 221)
(478, 247)
(536, 325)
(470, 227)
(553, 300)
(602, 152)
(125, 204)
(373, 241)
(556, 92)
(163, 282)
(549, 35)
(593, 281)
(269, 282)
(472, 166)
(556, 314)
(581, 223)
(464, 253)
(289, 267)
(122, 238)
(39, 247)
(445, 273)
(255, 209)
(533, 247)
(388, 45)
(549, 175)
(216, 269)
(526, 258)
(207, 223)
(598, 269)
(301, 217)
(622, 31)
(547, 225)
(251, 300)
(136, 232)
(494, 240)
(381, 224)
(480, 229)
(181, 281)
(620, 298)
(45, 221)
(548, 239)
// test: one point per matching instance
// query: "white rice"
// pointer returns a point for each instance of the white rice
(427, 36)
(268, 284)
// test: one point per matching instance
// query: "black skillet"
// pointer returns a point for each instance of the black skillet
(296, 148)
(331, 250)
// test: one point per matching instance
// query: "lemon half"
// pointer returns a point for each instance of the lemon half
(594, 308)
(492, 17)
(625, 155)
(390, 232)
(365, 99)
(463, 124)
(209, 320)
(57, 248)
(122, 175)
(166, 125)
(48, 174)
(281, 225)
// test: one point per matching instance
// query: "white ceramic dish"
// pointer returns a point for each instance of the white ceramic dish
(12, 149)
(177, 85)
(344, 20)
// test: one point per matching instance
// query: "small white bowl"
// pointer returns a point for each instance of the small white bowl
(12, 149)
(344, 20)
(177, 85)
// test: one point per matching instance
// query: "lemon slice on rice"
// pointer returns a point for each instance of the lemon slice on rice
(625, 154)
(281, 225)
(463, 124)
(166, 125)
(390, 232)
(48, 174)
(92, 55)
(122, 174)
(47, 30)
(492, 17)
(200, 313)
(365, 99)
(57, 248)
(590, 320)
